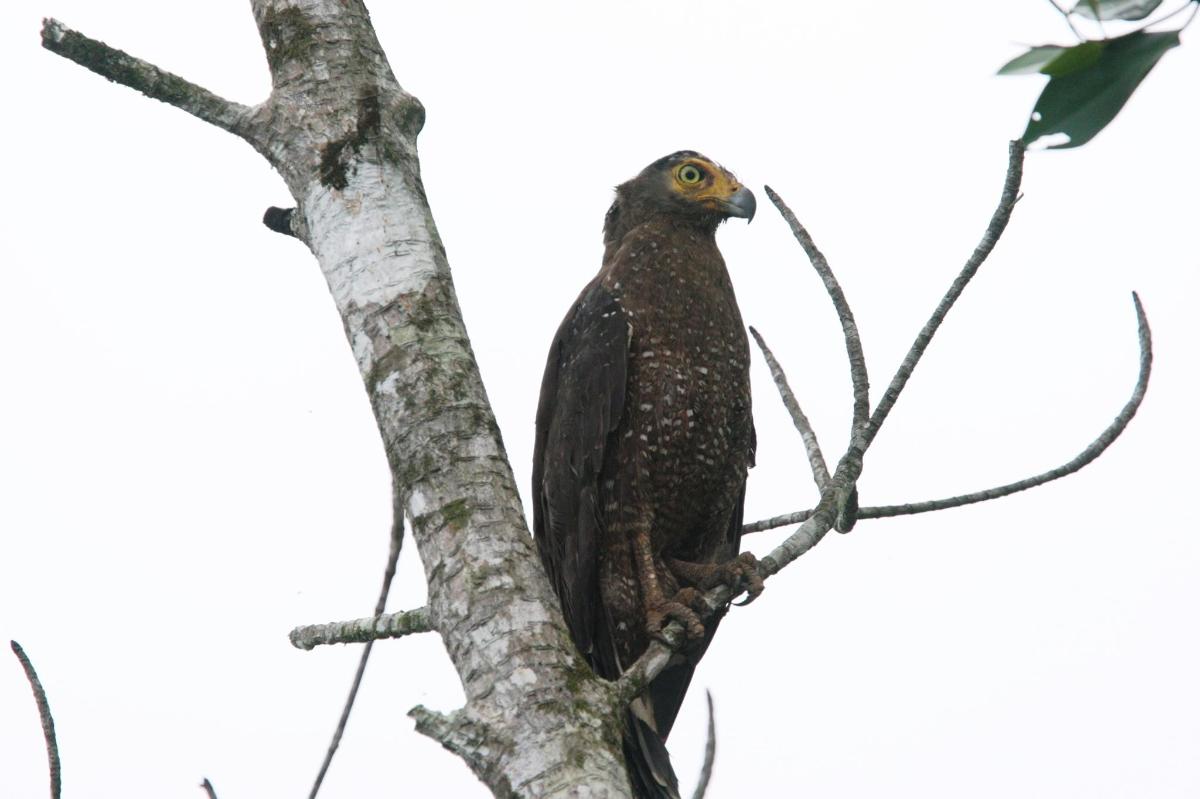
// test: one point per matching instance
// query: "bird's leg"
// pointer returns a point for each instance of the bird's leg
(659, 609)
(740, 574)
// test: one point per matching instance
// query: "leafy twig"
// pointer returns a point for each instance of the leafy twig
(1066, 15)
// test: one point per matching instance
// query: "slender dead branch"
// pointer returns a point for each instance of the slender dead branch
(783, 520)
(359, 631)
(389, 573)
(122, 68)
(1008, 199)
(1089, 454)
(710, 752)
(858, 362)
(43, 706)
(846, 497)
(209, 789)
(815, 459)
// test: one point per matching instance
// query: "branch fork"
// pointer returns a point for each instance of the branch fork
(837, 507)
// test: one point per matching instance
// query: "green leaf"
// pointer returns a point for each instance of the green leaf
(1053, 60)
(1115, 9)
(1082, 102)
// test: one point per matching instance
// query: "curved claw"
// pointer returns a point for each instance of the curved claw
(658, 616)
(743, 575)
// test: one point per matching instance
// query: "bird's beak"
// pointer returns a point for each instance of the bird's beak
(741, 204)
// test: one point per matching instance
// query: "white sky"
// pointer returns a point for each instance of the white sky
(190, 468)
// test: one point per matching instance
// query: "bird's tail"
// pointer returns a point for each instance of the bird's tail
(646, 759)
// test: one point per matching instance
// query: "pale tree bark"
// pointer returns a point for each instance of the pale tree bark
(342, 132)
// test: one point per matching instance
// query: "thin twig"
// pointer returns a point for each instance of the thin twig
(122, 68)
(816, 460)
(389, 573)
(858, 362)
(1066, 15)
(710, 752)
(1008, 198)
(43, 706)
(1089, 454)
(209, 789)
(784, 520)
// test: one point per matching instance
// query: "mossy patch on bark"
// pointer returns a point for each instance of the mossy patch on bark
(287, 35)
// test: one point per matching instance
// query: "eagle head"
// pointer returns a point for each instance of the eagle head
(684, 185)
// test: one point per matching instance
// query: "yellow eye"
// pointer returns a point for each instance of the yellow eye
(690, 174)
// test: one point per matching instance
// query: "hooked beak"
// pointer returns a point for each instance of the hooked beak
(741, 204)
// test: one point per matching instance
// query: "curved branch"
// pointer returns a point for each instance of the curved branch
(858, 362)
(1093, 450)
(710, 752)
(815, 459)
(360, 631)
(120, 67)
(209, 789)
(43, 706)
(1008, 199)
(1089, 454)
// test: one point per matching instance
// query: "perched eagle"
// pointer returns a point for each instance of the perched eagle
(644, 437)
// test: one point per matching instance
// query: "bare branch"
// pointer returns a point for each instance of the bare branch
(389, 573)
(1085, 457)
(858, 362)
(710, 752)
(209, 789)
(783, 520)
(43, 706)
(1093, 451)
(122, 68)
(815, 459)
(1008, 198)
(359, 631)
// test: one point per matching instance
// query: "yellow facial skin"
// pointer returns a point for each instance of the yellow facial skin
(704, 182)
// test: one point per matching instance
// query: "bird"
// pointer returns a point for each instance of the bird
(643, 439)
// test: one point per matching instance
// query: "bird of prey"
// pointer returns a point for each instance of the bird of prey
(644, 437)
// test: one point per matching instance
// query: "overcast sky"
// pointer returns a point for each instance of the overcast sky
(189, 466)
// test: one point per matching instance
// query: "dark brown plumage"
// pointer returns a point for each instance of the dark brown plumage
(644, 437)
